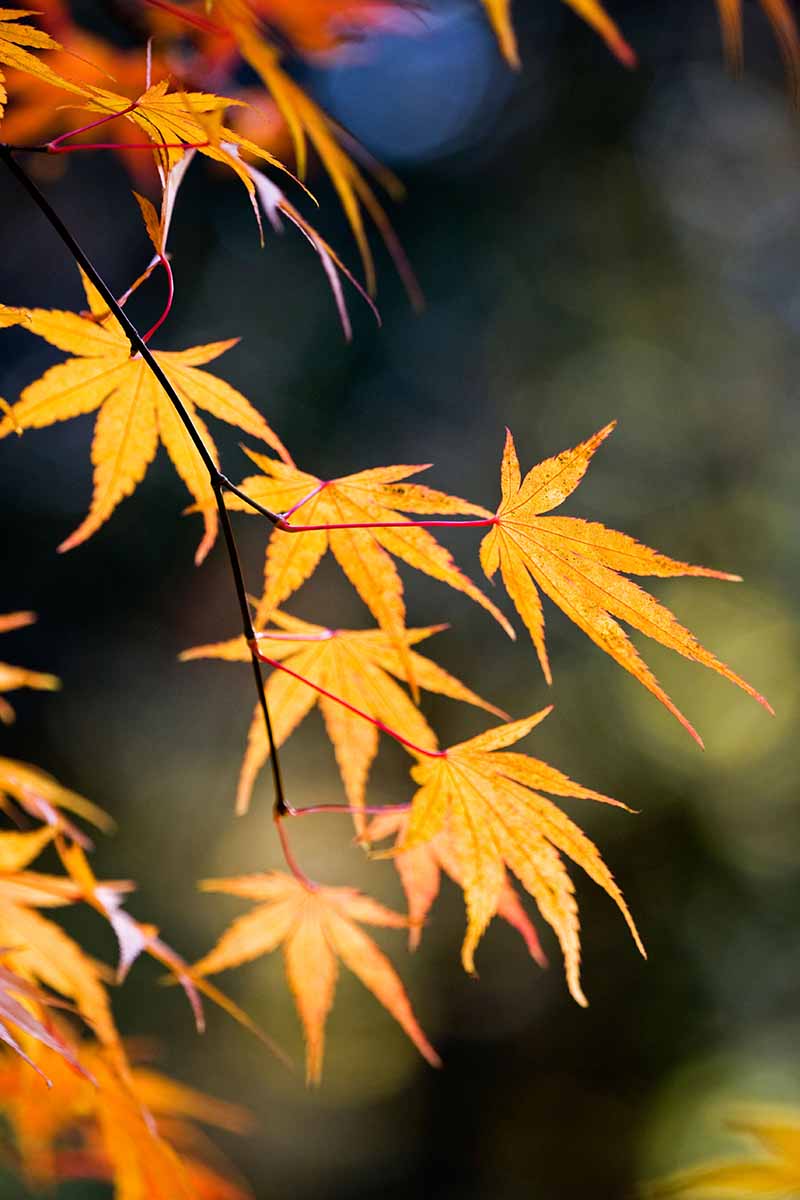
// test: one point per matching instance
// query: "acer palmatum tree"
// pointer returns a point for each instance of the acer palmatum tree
(479, 811)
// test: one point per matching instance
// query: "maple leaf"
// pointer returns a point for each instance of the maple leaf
(12, 678)
(484, 796)
(17, 999)
(176, 121)
(124, 1129)
(315, 928)
(43, 797)
(135, 414)
(578, 564)
(499, 13)
(775, 1172)
(40, 951)
(363, 554)
(307, 122)
(316, 26)
(420, 872)
(38, 112)
(784, 26)
(275, 206)
(14, 37)
(356, 665)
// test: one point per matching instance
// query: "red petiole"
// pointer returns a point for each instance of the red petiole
(398, 737)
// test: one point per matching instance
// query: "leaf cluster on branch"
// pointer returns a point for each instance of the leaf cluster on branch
(481, 812)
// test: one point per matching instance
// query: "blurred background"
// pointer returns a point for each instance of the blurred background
(593, 244)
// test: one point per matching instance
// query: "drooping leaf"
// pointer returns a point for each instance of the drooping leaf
(132, 1127)
(315, 927)
(41, 952)
(19, 1002)
(177, 121)
(306, 123)
(499, 13)
(356, 665)
(581, 566)
(135, 414)
(133, 937)
(44, 798)
(363, 554)
(12, 678)
(487, 800)
(784, 26)
(420, 872)
(269, 197)
(14, 37)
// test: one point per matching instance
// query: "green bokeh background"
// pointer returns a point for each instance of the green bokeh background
(608, 245)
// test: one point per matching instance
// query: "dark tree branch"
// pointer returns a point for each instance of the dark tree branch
(218, 481)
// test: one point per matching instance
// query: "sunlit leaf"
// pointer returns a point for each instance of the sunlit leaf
(581, 566)
(316, 928)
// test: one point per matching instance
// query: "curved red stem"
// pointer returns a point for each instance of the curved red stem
(170, 297)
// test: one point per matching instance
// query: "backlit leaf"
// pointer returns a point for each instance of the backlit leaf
(316, 928)
(365, 555)
(134, 414)
(487, 802)
(580, 564)
(420, 874)
(355, 664)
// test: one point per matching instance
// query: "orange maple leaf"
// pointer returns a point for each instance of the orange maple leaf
(357, 666)
(315, 928)
(307, 122)
(420, 872)
(485, 798)
(39, 951)
(14, 37)
(130, 1126)
(135, 414)
(19, 1003)
(175, 121)
(375, 495)
(578, 563)
(12, 678)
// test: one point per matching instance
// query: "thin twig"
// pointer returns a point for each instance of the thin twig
(218, 481)
(279, 520)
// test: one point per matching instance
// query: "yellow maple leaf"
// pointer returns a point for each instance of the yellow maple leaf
(14, 37)
(486, 797)
(375, 495)
(174, 121)
(357, 666)
(578, 564)
(307, 122)
(40, 951)
(315, 928)
(775, 1172)
(135, 414)
(420, 871)
(12, 678)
